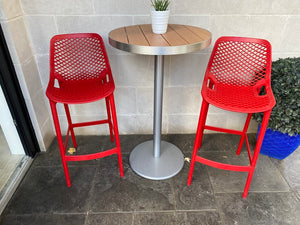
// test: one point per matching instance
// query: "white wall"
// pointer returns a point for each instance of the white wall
(274, 20)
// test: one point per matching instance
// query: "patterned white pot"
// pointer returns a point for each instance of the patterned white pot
(159, 21)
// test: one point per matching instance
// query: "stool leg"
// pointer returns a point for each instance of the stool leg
(256, 150)
(204, 108)
(70, 125)
(116, 131)
(199, 136)
(244, 133)
(60, 141)
(109, 120)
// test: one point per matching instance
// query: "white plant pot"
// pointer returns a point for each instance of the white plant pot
(159, 21)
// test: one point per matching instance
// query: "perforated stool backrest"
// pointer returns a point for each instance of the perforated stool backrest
(240, 61)
(80, 56)
(238, 75)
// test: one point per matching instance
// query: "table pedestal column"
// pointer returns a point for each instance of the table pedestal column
(157, 160)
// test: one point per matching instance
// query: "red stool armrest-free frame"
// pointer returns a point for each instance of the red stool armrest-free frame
(80, 73)
(238, 79)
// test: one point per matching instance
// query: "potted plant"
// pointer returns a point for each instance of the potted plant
(283, 134)
(160, 16)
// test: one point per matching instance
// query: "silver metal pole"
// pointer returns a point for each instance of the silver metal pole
(157, 160)
(158, 100)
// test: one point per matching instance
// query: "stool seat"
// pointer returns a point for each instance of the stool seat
(82, 91)
(243, 99)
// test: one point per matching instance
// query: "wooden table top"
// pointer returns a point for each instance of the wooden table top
(178, 39)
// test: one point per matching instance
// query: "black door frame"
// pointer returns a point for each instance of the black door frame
(15, 100)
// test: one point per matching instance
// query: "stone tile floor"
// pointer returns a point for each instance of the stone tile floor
(99, 196)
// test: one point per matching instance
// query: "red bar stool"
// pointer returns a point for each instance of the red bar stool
(238, 79)
(80, 73)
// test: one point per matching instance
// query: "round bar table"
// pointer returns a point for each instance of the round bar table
(158, 160)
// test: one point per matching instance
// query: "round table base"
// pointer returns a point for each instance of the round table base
(169, 163)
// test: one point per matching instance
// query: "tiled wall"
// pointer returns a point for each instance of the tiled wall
(276, 20)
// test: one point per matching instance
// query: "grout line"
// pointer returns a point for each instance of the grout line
(117, 212)
(218, 209)
(155, 211)
(281, 174)
(196, 210)
(173, 191)
(256, 192)
(60, 213)
(132, 218)
(89, 201)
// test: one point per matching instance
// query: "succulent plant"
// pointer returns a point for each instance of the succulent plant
(160, 5)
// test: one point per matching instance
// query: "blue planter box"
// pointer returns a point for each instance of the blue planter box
(278, 145)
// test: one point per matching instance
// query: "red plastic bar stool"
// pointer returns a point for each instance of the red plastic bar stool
(80, 73)
(237, 79)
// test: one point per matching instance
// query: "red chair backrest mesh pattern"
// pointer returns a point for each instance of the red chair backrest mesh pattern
(75, 57)
(240, 61)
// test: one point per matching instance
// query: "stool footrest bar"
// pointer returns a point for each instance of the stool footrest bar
(224, 130)
(91, 156)
(223, 166)
(90, 123)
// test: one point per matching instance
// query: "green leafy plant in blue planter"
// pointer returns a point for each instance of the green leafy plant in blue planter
(283, 134)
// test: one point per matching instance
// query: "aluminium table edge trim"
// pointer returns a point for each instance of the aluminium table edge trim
(160, 50)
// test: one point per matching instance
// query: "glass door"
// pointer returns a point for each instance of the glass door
(11, 149)
(18, 143)
(8, 162)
